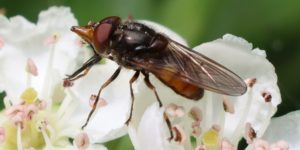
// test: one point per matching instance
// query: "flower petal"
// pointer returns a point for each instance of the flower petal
(108, 121)
(286, 128)
(152, 132)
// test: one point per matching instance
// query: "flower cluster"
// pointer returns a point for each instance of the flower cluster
(41, 114)
(216, 121)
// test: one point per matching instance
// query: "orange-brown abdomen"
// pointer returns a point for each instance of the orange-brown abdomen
(178, 85)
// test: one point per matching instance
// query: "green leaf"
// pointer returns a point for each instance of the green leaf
(2, 95)
(122, 143)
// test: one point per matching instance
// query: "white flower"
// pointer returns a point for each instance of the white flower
(215, 121)
(34, 58)
(49, 43)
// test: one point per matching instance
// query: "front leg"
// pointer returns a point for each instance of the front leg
(111, 79)
(84, 68)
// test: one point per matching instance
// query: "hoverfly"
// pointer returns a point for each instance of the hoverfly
(136, 46)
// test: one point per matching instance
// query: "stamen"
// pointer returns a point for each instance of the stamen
(216, 127)
(67, 83)
(29, 111)
(31, 70)
(16, 115)
(52, 39)
(174, 110)
(19, 138)
(196, 114)
(250, 134)
(101, 102)
(180, 136)
(209, 110)
(196, 130)
(31, 67)
(46, 139)
(65, 103)
(201, 147)
(261, 144)
(280, 145)
(226, 145)
(1, 42)
(227, 104)
(82, 141)
(267, 96)
(2, 135)
(28, 80)
(179, 112)
(41, 105)
(42, 126)
(67, 107)
(29, 95)
(170, 109)
(250, 82)
(49, 68)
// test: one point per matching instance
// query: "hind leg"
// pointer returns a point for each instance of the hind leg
(150, 85)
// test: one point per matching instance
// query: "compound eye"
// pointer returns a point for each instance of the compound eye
(102, 34)
(111, 20)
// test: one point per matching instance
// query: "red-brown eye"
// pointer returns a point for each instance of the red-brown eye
(102, 33)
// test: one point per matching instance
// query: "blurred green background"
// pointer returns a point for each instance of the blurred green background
(273, 25)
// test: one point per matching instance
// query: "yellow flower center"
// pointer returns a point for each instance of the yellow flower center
(29, 95)
(210, 139)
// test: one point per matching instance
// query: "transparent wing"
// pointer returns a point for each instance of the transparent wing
(192, 67)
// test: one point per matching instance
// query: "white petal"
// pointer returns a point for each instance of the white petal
(109, 121)
(55, 18)
(152, 132)
(285, 128)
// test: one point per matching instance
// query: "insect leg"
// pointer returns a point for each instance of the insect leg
(150, 85)
(112, 78)
(134, 77)
(85, 67)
